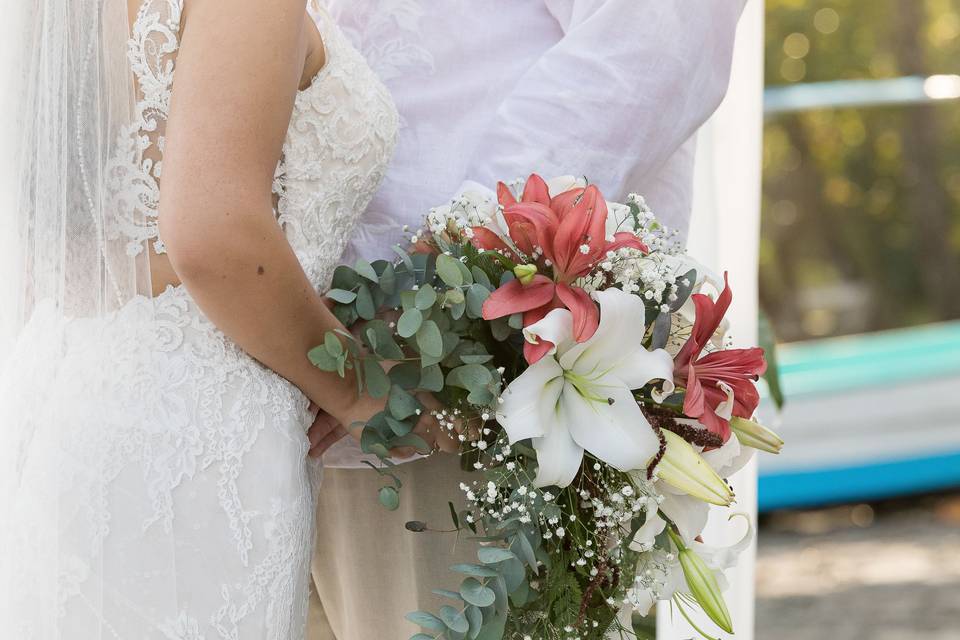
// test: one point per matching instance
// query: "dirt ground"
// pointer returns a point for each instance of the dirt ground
(886, 571)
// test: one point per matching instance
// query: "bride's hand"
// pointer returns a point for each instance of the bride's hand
(327, 430)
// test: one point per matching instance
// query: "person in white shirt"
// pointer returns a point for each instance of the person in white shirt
(613, 90)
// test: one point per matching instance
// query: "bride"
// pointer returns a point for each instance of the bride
(172, 237)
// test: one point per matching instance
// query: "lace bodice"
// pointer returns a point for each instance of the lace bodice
(339, 142)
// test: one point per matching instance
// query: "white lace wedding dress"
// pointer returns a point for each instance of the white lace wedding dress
(161, 484)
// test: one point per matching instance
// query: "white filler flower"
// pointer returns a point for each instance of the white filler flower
(578, 397)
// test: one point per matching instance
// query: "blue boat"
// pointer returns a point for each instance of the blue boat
(867, 417)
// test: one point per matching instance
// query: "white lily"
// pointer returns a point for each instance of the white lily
(579, 396)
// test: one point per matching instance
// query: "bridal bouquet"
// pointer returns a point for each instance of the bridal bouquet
(584, 368)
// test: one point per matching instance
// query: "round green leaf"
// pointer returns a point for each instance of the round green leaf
(470, 376)
(366, 270)
(409, 323)
(476, 296)
(430, 340)
(453, 296)
(426, 620)
(333, 345)
(493, 555)
(401, 404)
(474, 592)
(426, 297)
(431, 378)
(342, 296)
(378, 384)
(476, 570)
(389, 498)
(454, 619)
(449, 270)
(365, 306)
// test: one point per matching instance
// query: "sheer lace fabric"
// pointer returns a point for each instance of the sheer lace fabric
(160, 483)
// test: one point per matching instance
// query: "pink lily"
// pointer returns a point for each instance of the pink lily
(564, 235)
(718, 385)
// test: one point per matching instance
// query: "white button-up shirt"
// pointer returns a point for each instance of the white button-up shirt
(490, 90)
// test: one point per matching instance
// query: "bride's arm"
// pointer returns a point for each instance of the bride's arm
(237, 73)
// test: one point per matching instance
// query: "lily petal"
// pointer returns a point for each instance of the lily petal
(614, 429)
(617, 346)
(688, 513)
(536, 190)
(529, 404)
(504, 195)
(556, 328)
(558, 457)
(516, 297)
(586, 316)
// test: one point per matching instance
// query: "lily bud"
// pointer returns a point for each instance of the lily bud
(703, 584)
(525, 273)
(755, 435)
(682, 467)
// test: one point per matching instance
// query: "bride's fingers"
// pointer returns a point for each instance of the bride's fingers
(322, 425)
(331, 438)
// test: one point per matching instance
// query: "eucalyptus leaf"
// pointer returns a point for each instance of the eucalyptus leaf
(453, 297)
(389, 498)
(406, 374)
(449, 270)
(366, 270)
(409, 322)
(366, 308)
(333, 345)
(522, 547)
(426, 297)
(388, 280)
(500, 329)
(412, 440)
(399, 428)
(431, 378)
(378, 384)
(342, 296)
(493, 555)
(344, 278)
(475, 358)
(476, 593)
(475, 618)
(426, 620)
(404, 256)
(515, 321)
(513, 573)
(470, 377)
(475, 297)
(480, 277)
(683, 291)
(446, 593)
(383, 344)
(429, 339)
(401, 404)
(475, 570)
(454, 619)
(661, 331)
(322, 359)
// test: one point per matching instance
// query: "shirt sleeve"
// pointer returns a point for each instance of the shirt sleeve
(626, 86)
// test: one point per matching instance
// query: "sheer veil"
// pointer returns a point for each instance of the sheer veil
(67, 97)
(70, 94)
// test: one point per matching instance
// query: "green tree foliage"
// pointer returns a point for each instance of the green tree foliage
(861, 206)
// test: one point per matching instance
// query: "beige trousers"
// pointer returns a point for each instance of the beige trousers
(369, 571)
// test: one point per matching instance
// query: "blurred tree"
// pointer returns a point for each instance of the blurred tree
(861, 207)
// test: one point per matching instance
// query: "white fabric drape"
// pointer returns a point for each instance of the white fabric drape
(724, 235)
